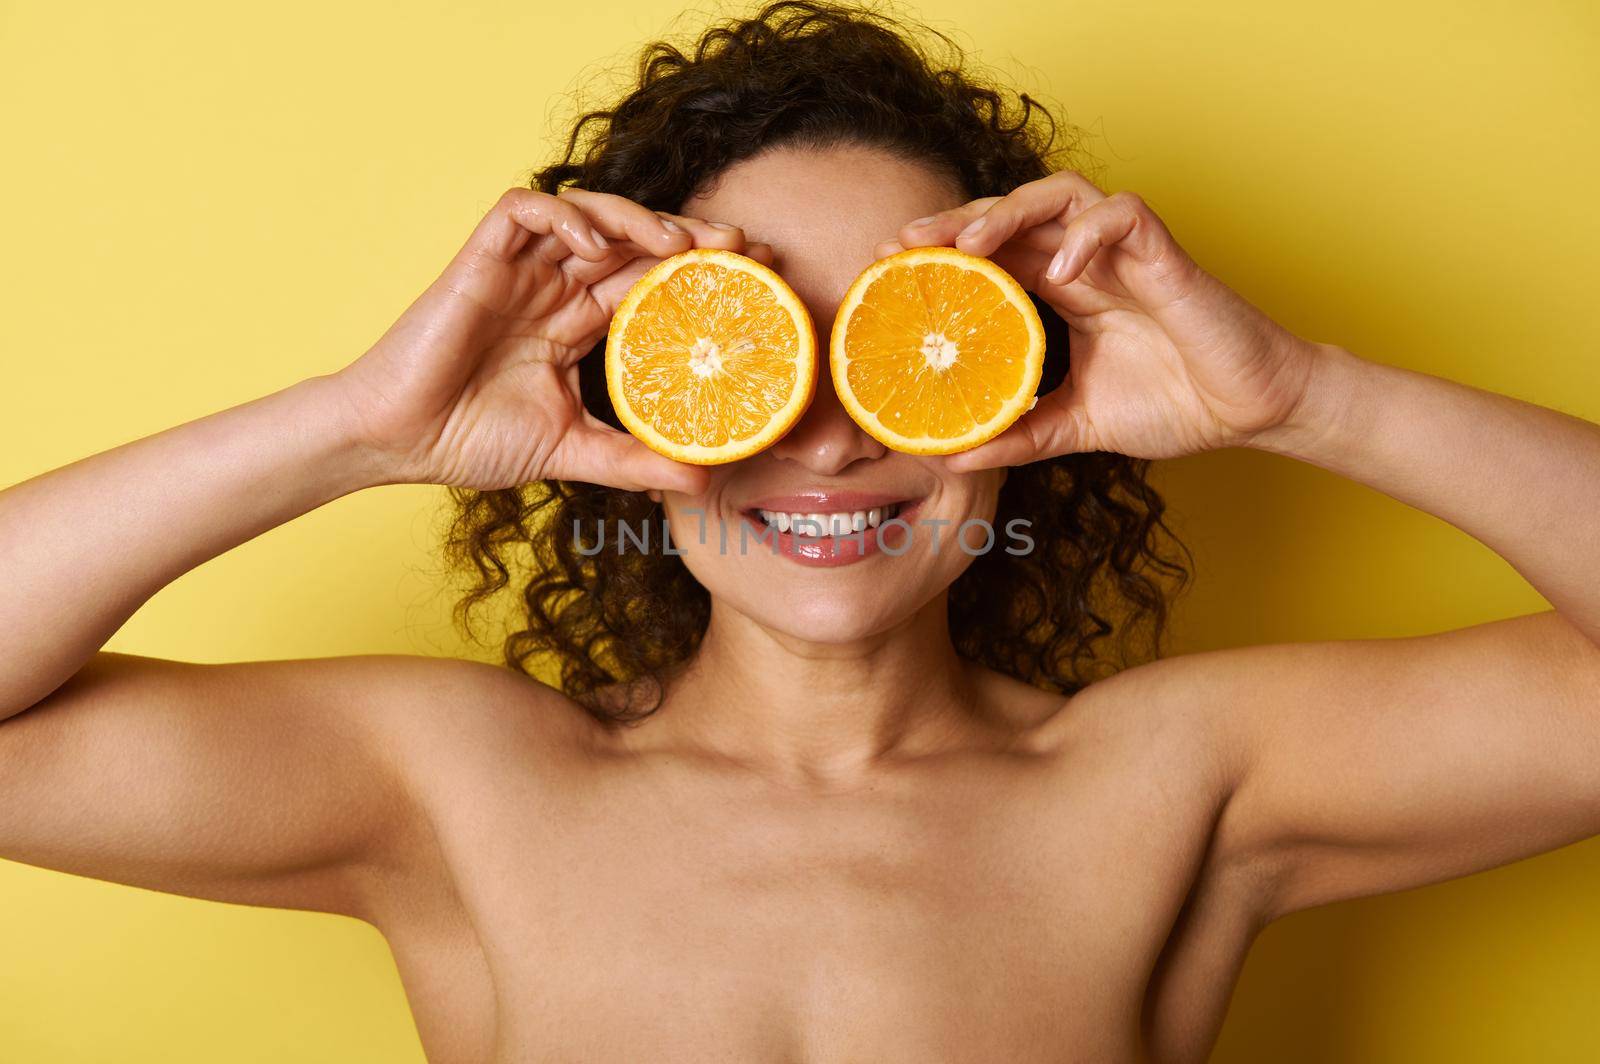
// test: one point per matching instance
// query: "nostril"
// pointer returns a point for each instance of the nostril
(826, 439)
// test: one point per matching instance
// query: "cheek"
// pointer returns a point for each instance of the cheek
(962, 513)
(696, 511)
(971, 496)
(987, 491)
(708, 540)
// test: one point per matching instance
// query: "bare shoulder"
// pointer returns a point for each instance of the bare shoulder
(432, 711)
(1215, 705)
(1348, 767)
(1251, 693)
(1172, 702)
(278, 782)
(469, 693)
(432, 725)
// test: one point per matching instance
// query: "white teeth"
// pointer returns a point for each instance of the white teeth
(839, 523)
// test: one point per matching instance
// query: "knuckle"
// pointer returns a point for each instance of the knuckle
(513, 199)
(996, 216)
(1000, 209)
(1131, 201)
(568, 199)
(576, 203)
(1069, 178)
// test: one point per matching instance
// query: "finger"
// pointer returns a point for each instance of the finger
(1013, 447)
(1122, 220)
(887, 248)
(942, 228)
(1053, 427)
(709, 234)
(562, 223)
(1041, 239)
(1061, 196)
(724, 236)
(599, 454)
(521, 215)
(626, 251)
(623, 219)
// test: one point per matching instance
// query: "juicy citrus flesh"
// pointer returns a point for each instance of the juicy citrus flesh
(935, 351)
(711, 357)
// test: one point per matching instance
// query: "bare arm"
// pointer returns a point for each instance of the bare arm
(1522, 479)
(248, 782)
(1356, 766)
(86, 545)
(1374, 765)
(287, 782)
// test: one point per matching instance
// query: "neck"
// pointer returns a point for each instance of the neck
(821, 712)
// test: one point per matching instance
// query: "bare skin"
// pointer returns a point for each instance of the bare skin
(835, 840)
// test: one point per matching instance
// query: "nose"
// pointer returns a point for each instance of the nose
(826, 440)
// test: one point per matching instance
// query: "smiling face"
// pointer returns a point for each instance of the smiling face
(823, 211)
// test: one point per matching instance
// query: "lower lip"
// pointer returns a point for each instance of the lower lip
(826, 552)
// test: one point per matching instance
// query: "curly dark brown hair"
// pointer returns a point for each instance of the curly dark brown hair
(807, 74)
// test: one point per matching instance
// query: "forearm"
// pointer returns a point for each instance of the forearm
(1522, 479)
(84, 546)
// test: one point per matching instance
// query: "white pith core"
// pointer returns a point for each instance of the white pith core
(940, 351)
(705, 357)
(839, 523)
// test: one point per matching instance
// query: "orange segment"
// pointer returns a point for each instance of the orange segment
(935, 351)
(711, 357)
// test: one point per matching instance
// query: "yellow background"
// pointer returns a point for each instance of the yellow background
(201, 203)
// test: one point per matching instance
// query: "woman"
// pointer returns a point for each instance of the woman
(901, 809)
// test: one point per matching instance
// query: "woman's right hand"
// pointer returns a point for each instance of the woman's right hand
(477, 384)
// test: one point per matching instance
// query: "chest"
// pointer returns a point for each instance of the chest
(982, 918)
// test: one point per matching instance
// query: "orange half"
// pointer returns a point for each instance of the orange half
(711, 357)
(935, 351)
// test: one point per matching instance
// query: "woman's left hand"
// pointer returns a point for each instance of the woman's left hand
(1166, 360)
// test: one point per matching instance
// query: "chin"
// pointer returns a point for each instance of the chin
(815, 615)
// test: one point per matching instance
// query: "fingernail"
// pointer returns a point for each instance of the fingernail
(722, 225)
(1058, 266)
(671, 226)
(923, 221)
(972, 229)
(600, 241)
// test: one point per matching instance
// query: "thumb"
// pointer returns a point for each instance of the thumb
(1051, 428)
(599, 454)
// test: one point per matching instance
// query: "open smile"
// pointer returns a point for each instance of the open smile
(829, 529)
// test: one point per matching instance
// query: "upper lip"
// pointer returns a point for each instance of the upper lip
(820, 501)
